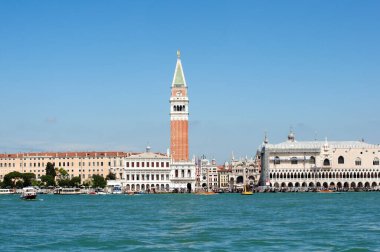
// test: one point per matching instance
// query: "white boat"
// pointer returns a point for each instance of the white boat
(28, 193)
(67, 191)
(101, 192)
(6, 191)
(116, 189)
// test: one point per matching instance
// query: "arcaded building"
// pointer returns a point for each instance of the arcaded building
(146, 171)
(328, 164)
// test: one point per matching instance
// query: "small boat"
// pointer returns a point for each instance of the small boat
(325, 191)
(28, 193)
(6, 191)
(116, 189)
(205, 193)
(67, 191)
(246, 192)
(100, 191)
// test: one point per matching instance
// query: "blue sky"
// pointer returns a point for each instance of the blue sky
(96, 75)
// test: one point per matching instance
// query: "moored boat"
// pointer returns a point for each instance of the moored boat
(116, 189)
(67, 191)
(205, 193)
(28, 193)
(246, 191)
(6, 191)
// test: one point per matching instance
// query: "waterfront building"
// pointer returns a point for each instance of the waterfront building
(245, 170)
(183, 169)
(82, 164)
(224, 176)
(208, 174)
(327, 164)
(146, 171)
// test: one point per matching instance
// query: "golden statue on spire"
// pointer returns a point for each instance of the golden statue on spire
(178, 54)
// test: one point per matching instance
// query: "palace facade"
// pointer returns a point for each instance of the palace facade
(321, 164)
(207, 174)
(82, 164)
(145, 171)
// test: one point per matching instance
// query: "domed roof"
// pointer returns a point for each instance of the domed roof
(291, 136)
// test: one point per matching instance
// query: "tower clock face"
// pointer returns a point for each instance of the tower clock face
(179, 93)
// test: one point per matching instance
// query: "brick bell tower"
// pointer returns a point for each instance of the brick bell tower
(179, 115)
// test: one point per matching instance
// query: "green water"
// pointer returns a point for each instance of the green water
(225, 222)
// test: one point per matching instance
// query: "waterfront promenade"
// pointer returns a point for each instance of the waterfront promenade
(187, 222)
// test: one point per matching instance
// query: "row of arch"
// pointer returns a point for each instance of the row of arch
(179, 107)
(326, 184)
(322, 175)
(326, 161)
(143, 187)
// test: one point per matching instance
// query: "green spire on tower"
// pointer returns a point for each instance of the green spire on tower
(179, 77)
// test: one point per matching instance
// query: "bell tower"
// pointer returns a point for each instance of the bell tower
(179, 115)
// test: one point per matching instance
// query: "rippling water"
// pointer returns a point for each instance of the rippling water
(179, 222)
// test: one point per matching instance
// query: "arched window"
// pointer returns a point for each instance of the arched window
(312, 160)
(277, 160)
(326, 162)
(293, 160)
(174, 108)
(183, 107)
(340, 160)
(375, 161)
(358, 162)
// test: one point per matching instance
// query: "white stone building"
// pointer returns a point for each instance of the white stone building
(208, 178)
(147, 171)
(154, 172)
(328, 164)
(243, 171)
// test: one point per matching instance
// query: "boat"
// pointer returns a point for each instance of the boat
(205, 193)
(67, 191)
(100, 191)
(28, 193)
(246, 191)
(116, 189)
(6, 191)
(325, 191)
(246, 188)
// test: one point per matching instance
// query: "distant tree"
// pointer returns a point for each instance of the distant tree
(63, 173)
(11, 179)
(87, 183)
(111, 176)
(64, 182)
(98, 181)
(28, 178)
(50, 171)
(48, 180)
(75, 182)
(17, 179)
(19, 184)
(37, 183)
